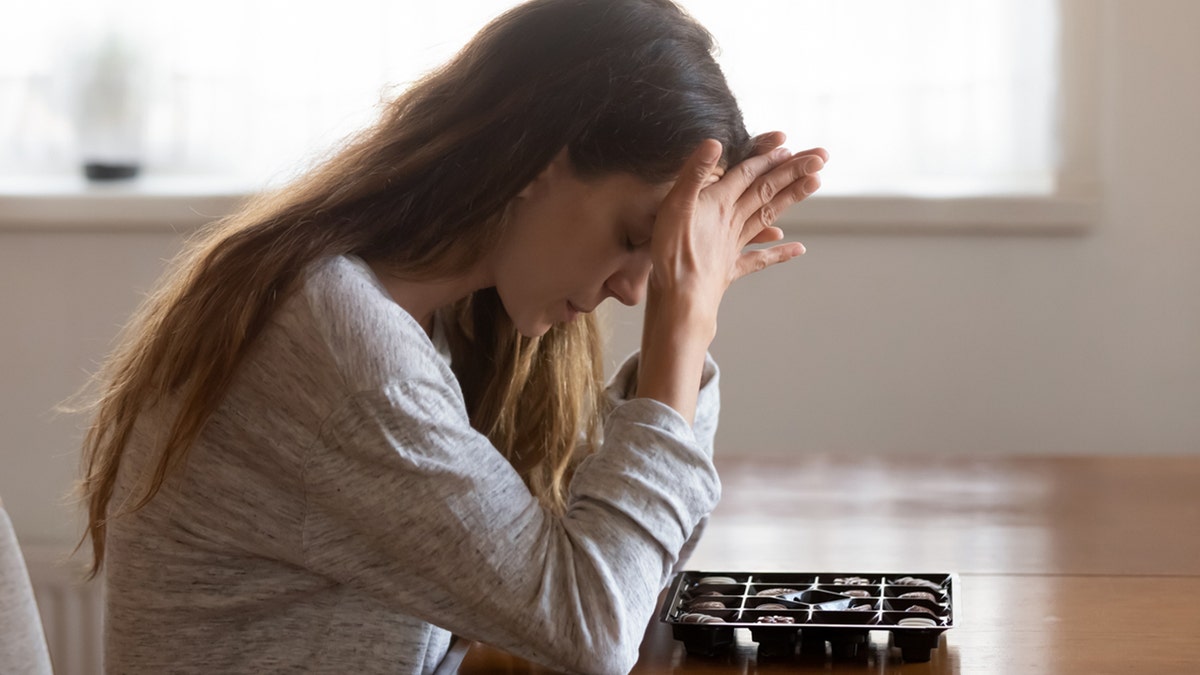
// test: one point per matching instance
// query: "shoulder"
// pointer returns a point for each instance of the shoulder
(372, 340)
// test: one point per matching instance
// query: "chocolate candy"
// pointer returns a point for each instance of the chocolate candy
(920, 595)
(862, 608)
(710, 581)
(857, 594)
(707, 604)
(771, 592)
(772, 605)
(918, 622)
(852, 581)
(693, 617)
(919, 608)
(911, 581)
(776, 619)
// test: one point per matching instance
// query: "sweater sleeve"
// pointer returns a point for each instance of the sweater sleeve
(405, 500)
(708, 408)
(623, 385)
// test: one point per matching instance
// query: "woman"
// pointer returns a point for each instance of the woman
(366, 412)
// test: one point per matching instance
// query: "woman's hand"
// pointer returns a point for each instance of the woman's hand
(708, 219)
(699, 249)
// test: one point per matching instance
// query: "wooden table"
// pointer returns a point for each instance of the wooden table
(1067, 565)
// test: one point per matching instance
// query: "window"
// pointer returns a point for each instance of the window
(922, 98)
(930, 98)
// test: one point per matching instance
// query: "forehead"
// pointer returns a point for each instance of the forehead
(628, 192)
(622, 182)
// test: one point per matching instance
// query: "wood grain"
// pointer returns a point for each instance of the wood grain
(1067, 565)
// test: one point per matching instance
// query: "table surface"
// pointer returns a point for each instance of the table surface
(1066, 564)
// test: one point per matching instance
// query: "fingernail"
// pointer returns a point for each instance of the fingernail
(813, 165)
(781, 153)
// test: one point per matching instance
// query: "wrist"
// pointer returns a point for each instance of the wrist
(678, 319)
(675, 339)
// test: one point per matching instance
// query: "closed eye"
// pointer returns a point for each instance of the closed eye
(636, 237)
(631, 245)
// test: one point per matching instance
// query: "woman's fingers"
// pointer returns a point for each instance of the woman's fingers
(695, 175)
(819, 152)
(761, 205)
(768, 235)
(799, 171)
(760, 259)
(764, 143)
(760, 145)
(738, 179)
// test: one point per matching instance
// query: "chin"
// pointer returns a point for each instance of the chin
(535, 331)
(529, 323)
(532, 327)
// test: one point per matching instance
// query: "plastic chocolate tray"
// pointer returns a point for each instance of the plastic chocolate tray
(786, 610)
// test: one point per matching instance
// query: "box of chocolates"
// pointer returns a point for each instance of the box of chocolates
(788, 613)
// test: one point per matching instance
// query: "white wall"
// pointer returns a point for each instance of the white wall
(907, 343)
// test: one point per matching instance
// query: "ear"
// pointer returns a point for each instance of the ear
(558, 167)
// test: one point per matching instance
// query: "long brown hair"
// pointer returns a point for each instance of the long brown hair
(624, 85)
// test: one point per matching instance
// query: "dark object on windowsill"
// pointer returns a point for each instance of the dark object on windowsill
(99, 171)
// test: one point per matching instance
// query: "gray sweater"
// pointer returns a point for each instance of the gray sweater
(339, 514)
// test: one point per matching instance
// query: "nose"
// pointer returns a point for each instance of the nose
(628, 284)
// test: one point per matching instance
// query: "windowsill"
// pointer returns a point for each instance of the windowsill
(161, 203)
(1017, 214)
(181, 204)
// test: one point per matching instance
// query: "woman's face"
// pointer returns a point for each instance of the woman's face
(571, 243)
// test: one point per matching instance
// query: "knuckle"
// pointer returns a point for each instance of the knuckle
(766, 191)
(767, 215)
(747, 171)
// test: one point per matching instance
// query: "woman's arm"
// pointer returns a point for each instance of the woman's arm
(407, 503)
(698, 249)
(623, 387)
